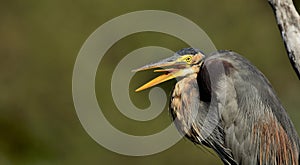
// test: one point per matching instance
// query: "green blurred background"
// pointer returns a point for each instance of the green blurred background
(39, 42)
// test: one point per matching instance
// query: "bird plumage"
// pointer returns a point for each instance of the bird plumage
(224, 102)
(246, 124)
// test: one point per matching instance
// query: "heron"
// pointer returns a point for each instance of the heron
(223, 102)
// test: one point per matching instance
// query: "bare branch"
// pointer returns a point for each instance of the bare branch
(288, 21)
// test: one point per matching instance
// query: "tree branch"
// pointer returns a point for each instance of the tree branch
(288, 21)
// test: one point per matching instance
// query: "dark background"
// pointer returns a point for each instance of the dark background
(39, 42)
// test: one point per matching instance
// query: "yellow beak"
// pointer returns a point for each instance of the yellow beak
(173, 67)
(158, 80)
(170, 72)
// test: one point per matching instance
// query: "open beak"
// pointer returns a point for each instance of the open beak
(171, 68)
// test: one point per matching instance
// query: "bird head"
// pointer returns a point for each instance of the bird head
(183, 63)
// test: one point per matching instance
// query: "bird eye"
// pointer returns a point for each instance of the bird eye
(188, 59)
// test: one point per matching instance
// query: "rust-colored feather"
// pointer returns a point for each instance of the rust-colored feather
(275, 146)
